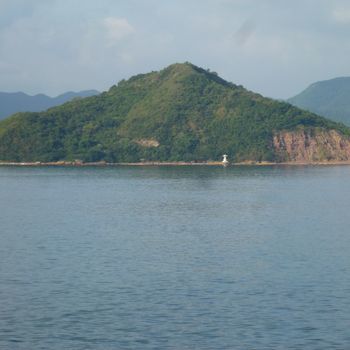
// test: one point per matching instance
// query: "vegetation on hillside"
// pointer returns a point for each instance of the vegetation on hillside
(180, 113)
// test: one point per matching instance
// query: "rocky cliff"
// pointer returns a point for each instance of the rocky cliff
(311, 146)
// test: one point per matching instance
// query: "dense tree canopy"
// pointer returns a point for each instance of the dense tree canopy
(180, 113)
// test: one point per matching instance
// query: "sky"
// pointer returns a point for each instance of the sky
(273, 47)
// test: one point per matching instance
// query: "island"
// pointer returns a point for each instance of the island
(181, 115)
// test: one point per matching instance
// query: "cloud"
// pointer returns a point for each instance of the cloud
(271, 46)
(126, 57)
(8, 68)
(245, 31)
(117, 29)
(341, 15)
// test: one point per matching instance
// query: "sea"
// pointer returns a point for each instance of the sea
(175, 257)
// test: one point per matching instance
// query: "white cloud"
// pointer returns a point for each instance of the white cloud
(341, 15)
(126, 57)
(7, 67)
(271, 46)
(117, 29)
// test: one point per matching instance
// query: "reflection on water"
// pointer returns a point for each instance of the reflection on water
(174, 258)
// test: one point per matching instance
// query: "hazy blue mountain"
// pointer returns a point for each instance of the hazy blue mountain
(329, 98)
(13, 102)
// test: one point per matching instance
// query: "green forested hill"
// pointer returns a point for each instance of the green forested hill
(329, 98)
(180, 113)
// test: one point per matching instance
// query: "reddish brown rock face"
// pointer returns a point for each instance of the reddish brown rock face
(311, 146)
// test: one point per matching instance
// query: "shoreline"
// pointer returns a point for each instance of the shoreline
(105, 164)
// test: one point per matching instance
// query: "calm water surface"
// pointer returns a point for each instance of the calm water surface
(175, 258)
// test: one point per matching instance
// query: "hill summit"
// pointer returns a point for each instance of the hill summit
(181, 113)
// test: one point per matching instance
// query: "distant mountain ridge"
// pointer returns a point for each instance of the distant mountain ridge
(329, 98)
(13, 102)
